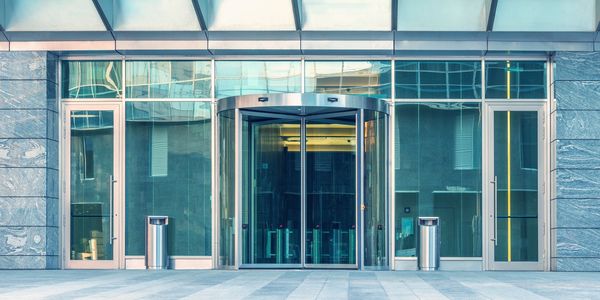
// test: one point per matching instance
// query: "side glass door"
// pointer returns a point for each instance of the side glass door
(331, 191)
(515, 206)
(92, 175)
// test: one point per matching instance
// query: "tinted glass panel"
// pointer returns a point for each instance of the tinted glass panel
(91, 79)
(92, 161)
(168, 79)
(227, 188)
(234, 78)
(438, 173)
(438, 79)
(515, 79)
(168, 172)
(372, 78)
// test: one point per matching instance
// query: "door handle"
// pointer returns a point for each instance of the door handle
(111, 189)
(495, 183)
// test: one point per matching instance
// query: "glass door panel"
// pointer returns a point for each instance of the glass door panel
(271, 200)
(92, 161)
(375, 189)
(516, 181)
(331, 202)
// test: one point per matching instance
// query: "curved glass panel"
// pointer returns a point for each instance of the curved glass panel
(438, 79)
(235, 78)
(168, 79)
(438, 173)
(227, 188)
(515, 79)
(91, 79)
(370, 78)
(55, 15)
(168, 172)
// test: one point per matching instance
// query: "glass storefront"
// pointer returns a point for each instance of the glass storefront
(313, 191)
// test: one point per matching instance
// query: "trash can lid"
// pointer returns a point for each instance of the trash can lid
(157, 220)
(429, 220)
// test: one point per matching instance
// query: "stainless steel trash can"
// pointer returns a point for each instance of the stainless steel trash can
(156, 242)
(429, 243)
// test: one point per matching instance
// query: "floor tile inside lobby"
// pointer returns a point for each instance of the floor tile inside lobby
(295, 284)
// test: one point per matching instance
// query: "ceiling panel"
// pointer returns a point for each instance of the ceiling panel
(443, 15)
(546, 15)
(154, 15)
(256, 15)
(346, 15)
(51, 15)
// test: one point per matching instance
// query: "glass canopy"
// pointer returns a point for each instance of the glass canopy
(307, 15)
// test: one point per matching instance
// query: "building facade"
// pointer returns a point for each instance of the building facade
(314, 139)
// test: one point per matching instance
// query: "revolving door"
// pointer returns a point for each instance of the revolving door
(303, 182)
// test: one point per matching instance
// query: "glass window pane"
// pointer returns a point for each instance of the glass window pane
(369, 78)
(527, 79)
(438, 79)
(91, 79)
(438, 173)
(546, 15)
(233, 15)
(168, 172)
(346, 15)
(168, 79)
(227, 150)
(442, 15)
(235, 78)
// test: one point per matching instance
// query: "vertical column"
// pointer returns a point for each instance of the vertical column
(575, 162)
(28, 161)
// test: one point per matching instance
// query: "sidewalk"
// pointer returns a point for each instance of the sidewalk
(295, 284)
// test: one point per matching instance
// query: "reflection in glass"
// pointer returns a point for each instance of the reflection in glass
(515, 168)
(271, 211)
(375, 176)
(369, 78)
(438, 173)
(227, 188)
(515, 79)
(234, 78)
(438, 79)
(91, 79)
(92, 163)
(331, 191)
(168, 79)
(168, 173)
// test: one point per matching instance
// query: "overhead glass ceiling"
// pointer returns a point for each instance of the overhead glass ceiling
(307, 15)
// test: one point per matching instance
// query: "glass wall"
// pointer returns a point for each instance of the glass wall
(515, 79)
(438, 79)
(438, 173)
(235, 78)
(91, 79)
(168, 172)
(168, 79)
(370, 78)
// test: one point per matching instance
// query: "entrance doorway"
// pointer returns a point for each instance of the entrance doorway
(92, 172)
(311, 182)
(516, 210)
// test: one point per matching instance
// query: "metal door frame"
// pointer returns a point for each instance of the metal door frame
(118, 261)
(489, 204)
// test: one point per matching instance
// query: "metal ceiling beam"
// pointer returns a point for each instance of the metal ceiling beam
(492, 15)
(199, 15)
(102, 15)
(297, 16)
(394, 15)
